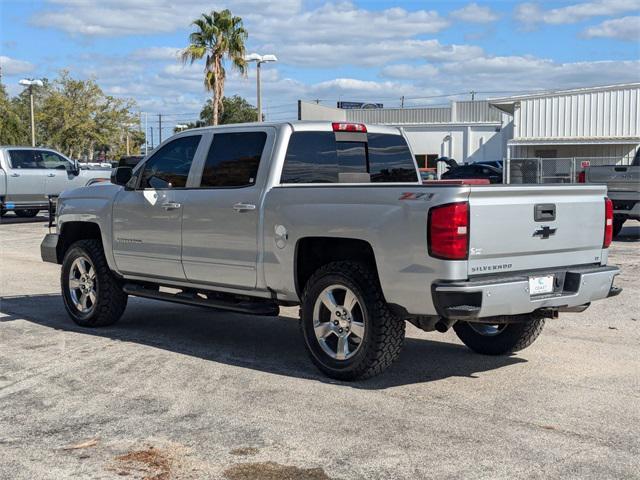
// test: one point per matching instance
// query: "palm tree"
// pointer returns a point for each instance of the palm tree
(218, 35)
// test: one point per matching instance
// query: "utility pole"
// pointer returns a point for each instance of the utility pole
(402, 101)
(128, 149)
(159, 128)
(151, 137)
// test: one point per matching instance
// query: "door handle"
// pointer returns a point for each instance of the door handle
(15, 174)
(51, 175)
(244, 207)
(171, 206)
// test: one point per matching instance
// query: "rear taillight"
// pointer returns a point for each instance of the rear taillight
(608, 223)
(448, 228)
(582, 177)
(349, 127)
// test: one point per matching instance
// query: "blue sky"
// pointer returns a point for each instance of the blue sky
(360, 50)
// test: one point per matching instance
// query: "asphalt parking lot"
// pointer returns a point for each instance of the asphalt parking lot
(180, 392)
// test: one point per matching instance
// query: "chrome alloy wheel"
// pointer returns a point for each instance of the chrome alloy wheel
(338, 322)
(487, 329)
(83, 285)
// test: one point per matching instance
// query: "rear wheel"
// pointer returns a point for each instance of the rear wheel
(618, 222)
(348, 329)
(92, 295)
(24, 213)
(499, 339)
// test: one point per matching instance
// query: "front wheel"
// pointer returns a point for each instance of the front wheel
(348, 329)
(23, 213)
(499, 339)
(92, 295)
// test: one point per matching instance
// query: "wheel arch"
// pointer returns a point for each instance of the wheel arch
(312, 253)
(71, 232)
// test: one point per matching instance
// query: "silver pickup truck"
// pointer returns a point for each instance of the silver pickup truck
(331, 217)
(623, 188)
(29, 175)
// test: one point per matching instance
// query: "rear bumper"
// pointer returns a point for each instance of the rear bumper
(49, 248)
(509, 295)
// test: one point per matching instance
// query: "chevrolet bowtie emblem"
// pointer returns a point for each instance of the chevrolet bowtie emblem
(545, 232)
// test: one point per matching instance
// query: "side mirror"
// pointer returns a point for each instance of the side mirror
(74, 168)
(121, 175)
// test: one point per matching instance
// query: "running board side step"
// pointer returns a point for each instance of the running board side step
(201, 299)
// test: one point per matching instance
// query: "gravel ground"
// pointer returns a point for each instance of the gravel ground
(175, 392)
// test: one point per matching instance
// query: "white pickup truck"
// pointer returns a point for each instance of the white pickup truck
(28, 176)
(332, 217)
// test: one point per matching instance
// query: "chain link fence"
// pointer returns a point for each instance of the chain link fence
(553, 170)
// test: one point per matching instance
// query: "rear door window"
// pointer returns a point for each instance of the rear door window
(390, 159)
(316, 157)
(233, 159)
(169, 167)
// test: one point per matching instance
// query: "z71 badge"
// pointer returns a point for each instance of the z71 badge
(415, 196)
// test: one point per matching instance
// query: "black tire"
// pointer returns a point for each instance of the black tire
(111, 301)
(618, 222)
(26, 213)
(383, 332)
(510, 338)
(2, 212)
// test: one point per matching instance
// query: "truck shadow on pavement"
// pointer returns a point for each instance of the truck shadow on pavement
(267, 344)
(629, 233)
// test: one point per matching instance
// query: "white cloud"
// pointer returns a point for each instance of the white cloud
(530, 14)
(625, 28)
(517, 73)
(135, 17)
(369, 54)
(11, 66)
(474, 13)
(156, 53)
(345, 23)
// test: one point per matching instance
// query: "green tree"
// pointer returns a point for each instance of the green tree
(235, 110)
(14, 129)
(218, 36)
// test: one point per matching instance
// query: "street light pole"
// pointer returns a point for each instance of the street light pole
(259, 59)
(30, 83)
(33, 122)
(259, 93)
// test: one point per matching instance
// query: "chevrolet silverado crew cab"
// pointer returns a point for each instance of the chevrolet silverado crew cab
(332, 217)
(29, 175)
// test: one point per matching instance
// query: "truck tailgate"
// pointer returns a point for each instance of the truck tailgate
(505, 235)
(620, 178)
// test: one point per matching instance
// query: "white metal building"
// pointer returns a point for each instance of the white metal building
(467, 131)
(586, 122)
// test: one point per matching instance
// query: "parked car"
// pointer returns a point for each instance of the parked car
(623, 186)
(332, 217)
(475, 171)
(29, 175)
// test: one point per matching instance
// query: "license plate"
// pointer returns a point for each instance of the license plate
(540, 285)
